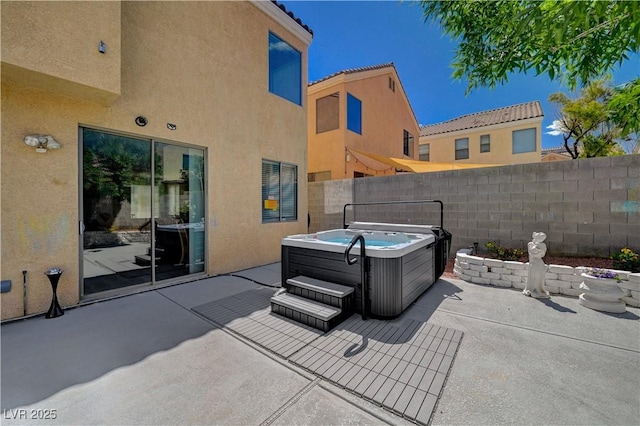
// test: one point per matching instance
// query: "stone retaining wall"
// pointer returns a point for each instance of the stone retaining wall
(560, 279)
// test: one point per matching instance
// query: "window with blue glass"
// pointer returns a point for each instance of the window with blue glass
(354, 114)
(285, 70)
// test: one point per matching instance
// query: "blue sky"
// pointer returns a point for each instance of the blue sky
(352, 34)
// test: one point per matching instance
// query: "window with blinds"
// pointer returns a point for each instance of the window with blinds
(279, 191)
(462, 149)
(485, 143)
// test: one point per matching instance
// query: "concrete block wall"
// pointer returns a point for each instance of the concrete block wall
(560, 279)
(587, 207)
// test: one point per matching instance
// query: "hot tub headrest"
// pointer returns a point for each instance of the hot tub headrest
(391, 227)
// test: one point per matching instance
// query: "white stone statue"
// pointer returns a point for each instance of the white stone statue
(537, 268)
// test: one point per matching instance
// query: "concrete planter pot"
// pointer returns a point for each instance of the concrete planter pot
(602, 294)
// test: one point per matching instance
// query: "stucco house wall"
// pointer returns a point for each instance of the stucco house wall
(202, 66)
(385, 114)
(499, 124)
(442, 147)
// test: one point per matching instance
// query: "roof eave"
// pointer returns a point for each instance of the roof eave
(281, 17)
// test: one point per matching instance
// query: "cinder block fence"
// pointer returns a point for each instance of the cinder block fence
(587, 207)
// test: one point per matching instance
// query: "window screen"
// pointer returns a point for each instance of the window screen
(524, 140)
(328, 113)
(424, 152)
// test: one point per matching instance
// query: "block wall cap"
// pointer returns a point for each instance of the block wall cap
(562, 269)
(472, 259)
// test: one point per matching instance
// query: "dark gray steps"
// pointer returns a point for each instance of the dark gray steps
(326, 292)
(313, 302)
(305, 311)
(143, 260)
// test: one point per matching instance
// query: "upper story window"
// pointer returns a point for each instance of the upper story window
(524, 140)
(354, 114)
(424, 152)
(462, 149)
(392, 84)
(328, 113)
(285, 70)
(407, 144)
(485, 143)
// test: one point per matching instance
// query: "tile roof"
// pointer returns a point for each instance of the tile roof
(354, 70)
(561, 150)
(485, 118)
(292, 16)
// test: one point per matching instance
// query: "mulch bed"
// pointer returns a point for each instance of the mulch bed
(592, 262)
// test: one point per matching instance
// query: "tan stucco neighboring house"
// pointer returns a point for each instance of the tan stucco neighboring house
(355, 112)
(508, 135)
(182, 136)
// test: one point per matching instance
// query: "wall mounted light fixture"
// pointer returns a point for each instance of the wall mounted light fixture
(42, 142)
(102, 48)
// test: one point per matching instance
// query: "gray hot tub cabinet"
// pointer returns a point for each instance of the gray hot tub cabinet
(394, 283)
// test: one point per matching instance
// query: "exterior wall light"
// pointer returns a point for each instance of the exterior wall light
(42, 142)
(102, 48)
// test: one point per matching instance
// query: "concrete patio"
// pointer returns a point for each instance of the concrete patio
(167, 357)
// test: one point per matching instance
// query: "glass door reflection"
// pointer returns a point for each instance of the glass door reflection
(180, 221)
(116, 197)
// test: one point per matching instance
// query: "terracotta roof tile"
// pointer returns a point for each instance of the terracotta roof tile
(485, 118)
(292, 16)
(353, 71)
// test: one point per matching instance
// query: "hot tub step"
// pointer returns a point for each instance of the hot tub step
(305, 311)
(326, 292)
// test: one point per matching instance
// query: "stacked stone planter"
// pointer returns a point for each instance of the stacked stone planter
(560, 279)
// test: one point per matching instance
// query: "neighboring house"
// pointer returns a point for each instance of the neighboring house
(183, 133)
(555, 154)
(508, 135)
(355, 112)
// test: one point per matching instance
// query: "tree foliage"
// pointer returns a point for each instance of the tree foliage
(588, 124)
(576, 41)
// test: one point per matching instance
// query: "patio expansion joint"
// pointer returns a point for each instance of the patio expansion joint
(280, 411)
(506, 324)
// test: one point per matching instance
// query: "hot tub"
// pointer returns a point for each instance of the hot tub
(402, 262)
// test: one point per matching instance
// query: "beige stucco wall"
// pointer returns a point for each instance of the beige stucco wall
(200, 65)
(54, 45)
(442, 147)
(385, 114)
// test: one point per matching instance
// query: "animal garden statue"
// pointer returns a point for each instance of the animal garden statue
(537, 268)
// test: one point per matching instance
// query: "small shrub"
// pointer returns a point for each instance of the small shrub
(626, 260)
(504, 253)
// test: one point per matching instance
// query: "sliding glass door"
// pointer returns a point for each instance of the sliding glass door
(142, 216)
(179, 224)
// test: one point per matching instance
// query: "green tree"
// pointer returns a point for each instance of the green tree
(576, 41)
(588, 124)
